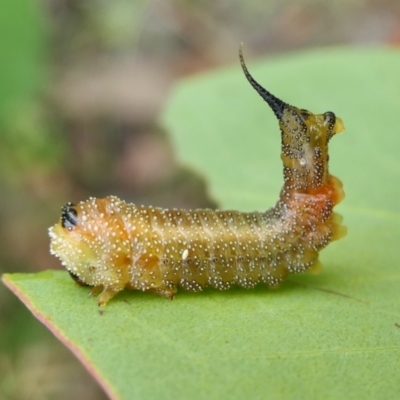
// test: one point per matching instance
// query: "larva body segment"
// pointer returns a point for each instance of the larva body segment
(109, 244)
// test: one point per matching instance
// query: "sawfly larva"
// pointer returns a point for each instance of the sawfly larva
(111, 245)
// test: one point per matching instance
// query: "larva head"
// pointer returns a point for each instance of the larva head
(305, 138)
(90, 240)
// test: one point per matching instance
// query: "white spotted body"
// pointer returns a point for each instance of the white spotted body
(111, 245)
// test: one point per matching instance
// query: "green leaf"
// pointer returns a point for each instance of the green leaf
(328, 336)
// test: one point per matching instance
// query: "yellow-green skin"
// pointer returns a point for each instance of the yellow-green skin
(111, 245)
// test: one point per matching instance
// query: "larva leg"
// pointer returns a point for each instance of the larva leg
(164, 291)
(107, 294)
(316, 268)
(95, 290)
(338, 230)
(274, 278)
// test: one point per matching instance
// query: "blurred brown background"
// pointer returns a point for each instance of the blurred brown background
(81, 86)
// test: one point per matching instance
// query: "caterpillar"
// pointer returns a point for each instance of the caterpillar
(111, 245)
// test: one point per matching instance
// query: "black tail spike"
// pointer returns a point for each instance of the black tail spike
(276, 104)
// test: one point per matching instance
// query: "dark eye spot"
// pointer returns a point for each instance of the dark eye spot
(330, 118)
(69, 216)
(77, 279)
